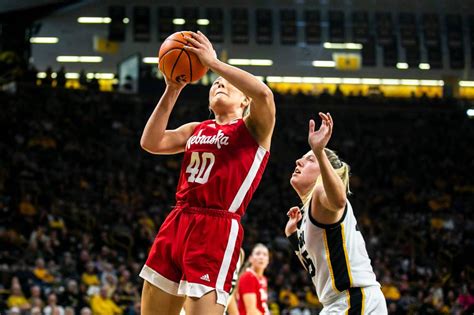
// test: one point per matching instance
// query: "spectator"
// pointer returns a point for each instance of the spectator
(89, 277)
(101, 304)
(36, 300)
(52, 308)
(61, 78)
(41, 273)
(16, 300)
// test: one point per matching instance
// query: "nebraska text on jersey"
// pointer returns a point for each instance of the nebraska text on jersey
(219, 139)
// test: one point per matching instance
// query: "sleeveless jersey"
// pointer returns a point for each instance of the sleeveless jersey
(334, 255)
(250, 282)
(221, 168)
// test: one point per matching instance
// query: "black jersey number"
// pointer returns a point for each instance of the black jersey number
(308, 263)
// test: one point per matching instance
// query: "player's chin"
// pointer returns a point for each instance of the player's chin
(294, 180)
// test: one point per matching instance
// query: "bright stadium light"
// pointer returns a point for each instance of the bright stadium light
(371, 81)
(352, 46)
(150, 60)
(274, 79)
(432, 82)
(202, 22)
(292, 79)
(179, 21)
(72, 75)
(466, 83)
(44, 40)
(94, 59)
(324, 63)
(250, 62)
(402, 65)
(332, 80)
(94, 20)
(100, 75)
(351, 80)
(424, 66)
(312, 80)
(390, 82)
(470, 112)
(354, 81)
(126, 20)
(409, 82)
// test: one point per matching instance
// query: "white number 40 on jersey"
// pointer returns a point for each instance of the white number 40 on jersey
(200, 167)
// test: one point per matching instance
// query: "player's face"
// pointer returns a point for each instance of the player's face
(224, 95)
(260, 258)
(305, 174)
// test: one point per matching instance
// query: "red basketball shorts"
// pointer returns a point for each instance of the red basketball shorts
(196, 251)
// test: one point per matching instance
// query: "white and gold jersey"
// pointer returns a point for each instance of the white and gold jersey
(335, 256)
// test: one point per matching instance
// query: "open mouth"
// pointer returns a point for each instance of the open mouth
(297, 171)
(220, 93)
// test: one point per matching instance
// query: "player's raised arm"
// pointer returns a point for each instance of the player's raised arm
(261, 120)
(155, 138)
(333, 197)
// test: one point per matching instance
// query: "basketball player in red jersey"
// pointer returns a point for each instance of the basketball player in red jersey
(252, 289)
(196, 250)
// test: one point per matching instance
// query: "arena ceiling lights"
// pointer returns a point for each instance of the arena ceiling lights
(355, 81)
(93, 20)
(402, 65)
(76, 75)
(466, 83)
(424, 66)
(44, 40)
(99, 20)
(323, 63)
(181, 21)
(351, 46)
(250, 62)
(202, 22)
(84, 59)
(150, 60)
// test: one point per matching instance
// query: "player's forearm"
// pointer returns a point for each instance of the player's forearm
(333, 185)
(156, 125)
(242, 80)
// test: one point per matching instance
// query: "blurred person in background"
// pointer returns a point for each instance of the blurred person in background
(252, 289)
(17, 299)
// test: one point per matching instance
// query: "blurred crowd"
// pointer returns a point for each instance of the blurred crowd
(81, 202)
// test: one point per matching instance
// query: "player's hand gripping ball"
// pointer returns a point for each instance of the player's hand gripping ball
(176, 63)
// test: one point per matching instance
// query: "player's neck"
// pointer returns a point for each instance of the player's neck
(258, 272)
(224, 119)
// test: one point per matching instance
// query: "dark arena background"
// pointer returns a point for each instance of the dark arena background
(81, 202)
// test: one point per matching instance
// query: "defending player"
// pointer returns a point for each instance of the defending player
(327, 240)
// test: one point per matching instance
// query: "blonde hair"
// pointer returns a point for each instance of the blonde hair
(246, 111)
(342, 170)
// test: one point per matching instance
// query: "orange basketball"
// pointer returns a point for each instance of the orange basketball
(176, 63)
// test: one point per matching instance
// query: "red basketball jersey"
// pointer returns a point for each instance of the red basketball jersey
(250, 282)
(222, 167)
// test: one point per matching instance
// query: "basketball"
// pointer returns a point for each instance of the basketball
(176, 63)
